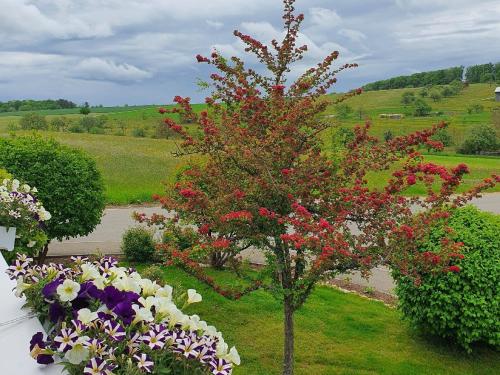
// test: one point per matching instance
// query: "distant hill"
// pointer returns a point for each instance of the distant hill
(484, 73)
(35, 105)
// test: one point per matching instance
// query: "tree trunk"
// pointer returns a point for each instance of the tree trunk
(43, 254)
(288, 337)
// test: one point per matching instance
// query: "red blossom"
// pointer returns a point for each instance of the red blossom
(455, 269)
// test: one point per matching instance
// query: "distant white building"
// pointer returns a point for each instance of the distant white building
(497, 94)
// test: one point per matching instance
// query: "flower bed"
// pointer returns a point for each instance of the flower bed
(105, 319)
(20, 209)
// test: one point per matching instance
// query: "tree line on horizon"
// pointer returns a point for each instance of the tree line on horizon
(35, 105)
(483, 73)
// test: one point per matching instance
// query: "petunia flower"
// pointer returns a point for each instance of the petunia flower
(65, 339)
(68, 290)
(144, 362)
(193, 296)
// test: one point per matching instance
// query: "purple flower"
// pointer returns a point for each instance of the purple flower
(111, 296)
(38, 350)
(65, 339)
(89, 290)
(154, 339)
(187, 346)
(125, 311)
(114, 330)
(144, 362)
(96, 366)
(49, 290)
(56, 312)
(221, 367)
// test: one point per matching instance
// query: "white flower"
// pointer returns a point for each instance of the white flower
(148, 302)
(165, 292)
(26, 188)
(142, 314)
(100, 282)
(149, 287)
(233, 356)
(21, 286)
(127, 284)
(193, 296)
(68, 290)
(221, 349)
(89, 272)
(31, 243)
(44, 214)
(86, 316)
(78, 353)
(15, 184)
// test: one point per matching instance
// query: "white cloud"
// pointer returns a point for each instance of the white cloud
(354, 35)
(98, 69)
(324, 18)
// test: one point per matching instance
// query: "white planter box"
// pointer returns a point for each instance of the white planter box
(15, 358)
(7, 238)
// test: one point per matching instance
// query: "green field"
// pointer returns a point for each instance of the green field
(134, 167)
(336, 333)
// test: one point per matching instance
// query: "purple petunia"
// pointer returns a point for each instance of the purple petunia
(114, 330)
(144, 362)
(221, 367)
(38, 350)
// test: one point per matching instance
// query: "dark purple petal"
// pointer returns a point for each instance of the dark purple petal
(56, 312)
(49, 290)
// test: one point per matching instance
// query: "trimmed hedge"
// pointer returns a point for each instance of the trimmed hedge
(464, 306)
(138, 245)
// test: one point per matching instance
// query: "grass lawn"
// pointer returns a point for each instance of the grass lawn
(336, 333)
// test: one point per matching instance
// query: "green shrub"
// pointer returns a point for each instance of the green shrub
(33, 121)
(443, 136)
(76, 128)
(482, 138)
(463, 306)
(408, 98)
(388, 135)
(154, 273)
(343, 111)
(435, 96)
(68, 182)
(90, 123)
(138, 245)
(421, 108)
(475, 108)
(59, 124)
(139, 132)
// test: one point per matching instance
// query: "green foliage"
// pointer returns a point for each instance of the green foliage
(447, 92)
(33, 121)
(138, 245)
(139, 132)
(421, 108)
(154, 273)
(482, 138)
(443, 136)
(408, 98)
(462, 306)
(435, 77)
(59, 124)
(68, 182)
(35, 105)
(475, 108)
(388, 135)
(4, 174)
(435, 96)
(90, 124)
(482, 73)
(85, 110)
(343, 111)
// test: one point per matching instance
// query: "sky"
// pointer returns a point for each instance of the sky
(116, 52)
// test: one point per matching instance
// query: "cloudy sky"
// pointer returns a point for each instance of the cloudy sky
(142, 51)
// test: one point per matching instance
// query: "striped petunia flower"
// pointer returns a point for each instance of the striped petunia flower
(144, 362)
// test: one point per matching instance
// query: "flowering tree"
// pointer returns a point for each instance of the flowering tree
(264, 180)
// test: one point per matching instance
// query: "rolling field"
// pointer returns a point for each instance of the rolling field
(134, 167)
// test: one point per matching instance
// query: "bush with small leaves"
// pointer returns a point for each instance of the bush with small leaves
(482, 138)
(408, 98)
(138, 245)
(464, 304)
(435, 96)
(154, 273)
(421, 108)
(139, 132)
(33, 121)
(68, 183)
(475, 108)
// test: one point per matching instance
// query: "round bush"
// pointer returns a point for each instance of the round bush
(68, 182)
(138, 245)
(463, 306)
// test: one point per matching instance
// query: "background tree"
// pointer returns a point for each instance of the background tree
(264, 180)
(85, 109)
(33, 121)
(68, 183)
(343, 111)
(482, 138)
(421, 108)
(408, 98)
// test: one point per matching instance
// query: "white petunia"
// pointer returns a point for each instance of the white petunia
(78, 353)
(89, 272)
(142, 314)
(193, 296)
(233, 356)
(86, 316)
(166, 291)
(68, 290)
